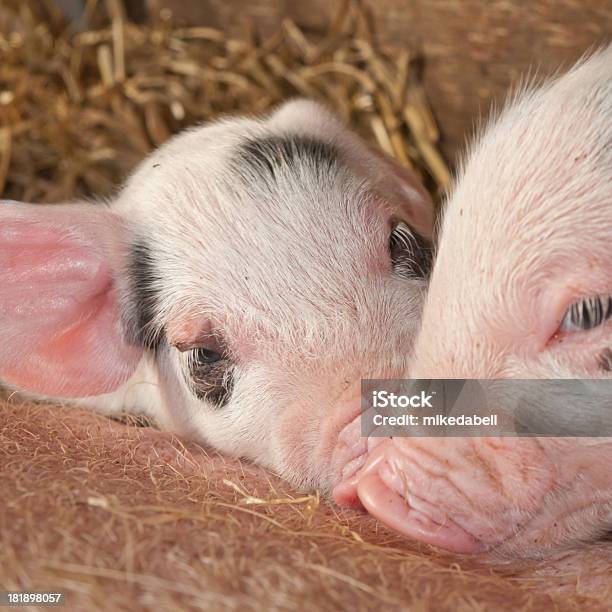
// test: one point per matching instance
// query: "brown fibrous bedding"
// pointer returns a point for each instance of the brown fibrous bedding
(121, 517)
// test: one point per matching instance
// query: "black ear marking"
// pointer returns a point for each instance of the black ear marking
(144, 282)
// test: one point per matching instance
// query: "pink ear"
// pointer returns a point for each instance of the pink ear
(59, 310)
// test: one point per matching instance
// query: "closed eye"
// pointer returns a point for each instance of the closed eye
(410, 254)
(586, 313)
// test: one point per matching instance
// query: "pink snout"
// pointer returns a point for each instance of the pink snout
(466, 495)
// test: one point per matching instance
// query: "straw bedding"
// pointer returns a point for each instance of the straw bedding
(123, 517)
(79, 109)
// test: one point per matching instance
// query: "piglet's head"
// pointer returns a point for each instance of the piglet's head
(239, 286)
(521, 288)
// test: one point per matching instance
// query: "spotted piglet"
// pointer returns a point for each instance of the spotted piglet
(246, 275)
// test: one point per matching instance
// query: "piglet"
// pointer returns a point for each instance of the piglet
(244, 277)
(521, 288)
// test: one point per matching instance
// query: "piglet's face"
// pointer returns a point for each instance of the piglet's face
(522, 282)
(251, 272)
(520, 289)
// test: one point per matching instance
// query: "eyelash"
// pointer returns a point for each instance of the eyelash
(408, 257)
(587, 313)
(205, 356)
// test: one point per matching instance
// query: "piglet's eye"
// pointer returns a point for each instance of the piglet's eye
(210, 373)
(587, 313)
(206, 356)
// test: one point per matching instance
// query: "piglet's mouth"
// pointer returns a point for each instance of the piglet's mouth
(406, 483)
(466, 495)
(373, 483)
(368, 473)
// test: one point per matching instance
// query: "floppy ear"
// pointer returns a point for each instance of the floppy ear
(405, 192)
(62, 333)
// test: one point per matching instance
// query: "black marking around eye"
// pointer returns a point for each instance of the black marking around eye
(212, 382)
(144, 279)
(265, 157)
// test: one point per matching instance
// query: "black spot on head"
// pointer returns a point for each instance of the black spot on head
(211, 380)
(266, 157)
(213, 383)
(144, 279)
